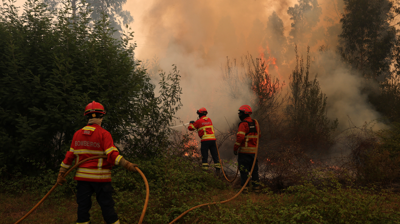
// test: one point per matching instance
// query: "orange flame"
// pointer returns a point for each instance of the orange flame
(266, 87)
(191, 146)
(269, 61)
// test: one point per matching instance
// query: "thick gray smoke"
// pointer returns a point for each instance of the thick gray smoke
(197, 36)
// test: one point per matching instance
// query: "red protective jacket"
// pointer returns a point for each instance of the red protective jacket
(204, 128)
(92, 140)
(246, 140)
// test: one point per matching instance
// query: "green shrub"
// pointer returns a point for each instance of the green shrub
(306, 110)
(52, 66)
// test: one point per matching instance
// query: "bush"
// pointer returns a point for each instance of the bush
(52, 66)
(306, 110)
(377, 157)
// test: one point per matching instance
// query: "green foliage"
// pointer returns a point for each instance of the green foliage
(367, 37)
(174, 190)
(51, 67)
(307, 107)
(175, 184)
(149, 132)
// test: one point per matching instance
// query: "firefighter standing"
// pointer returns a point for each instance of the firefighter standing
(94, 176)
(246, 139)
(205, 129)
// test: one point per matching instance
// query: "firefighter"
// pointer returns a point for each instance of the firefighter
(94, 176)
(205, 129)
(246, 146)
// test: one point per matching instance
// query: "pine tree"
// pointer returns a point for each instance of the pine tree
(305, 17)
(367, 38)
(306, 109)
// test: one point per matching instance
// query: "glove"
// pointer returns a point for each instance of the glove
(131, 166)
(235, 152)
(128, 165)
(61, 179)
(191, 122)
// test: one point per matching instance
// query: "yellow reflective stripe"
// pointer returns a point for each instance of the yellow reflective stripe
(100, 163)
(93, 171)
(205, 164)
(109, 150)
(237, 143)
(251, 136)
(71, 149)
(192, 126)
(208, 136)
(217, 165)
(117, 222)
(252, 148)
(204, 127)
(88, 151)
(118, 159)
(248, 149)
(241, 133)
(65, 165)
(93, 176)
(88, 128)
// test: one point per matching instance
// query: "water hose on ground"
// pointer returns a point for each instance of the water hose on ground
(230, 199)
(76, 165)
(222, 168)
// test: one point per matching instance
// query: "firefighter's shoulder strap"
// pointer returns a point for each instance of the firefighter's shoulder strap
(252, 126)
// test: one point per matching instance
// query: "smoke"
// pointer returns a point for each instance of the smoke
(198, 36)
(344, 87)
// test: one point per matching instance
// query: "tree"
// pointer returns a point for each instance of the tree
(305, 17)
(306, 108)
(112, 8)
(367, 38)
(387, 102)
(276, 40)
(51, 68)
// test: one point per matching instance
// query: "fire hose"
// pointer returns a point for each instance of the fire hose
(222, 168)
(237, 194)
(76, 165)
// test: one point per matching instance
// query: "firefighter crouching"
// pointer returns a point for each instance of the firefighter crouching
(246, 139)
(205, 129)
(94, 176)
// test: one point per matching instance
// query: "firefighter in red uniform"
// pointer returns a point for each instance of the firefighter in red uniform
(94, 176)
(205, 129)
(246, 139)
